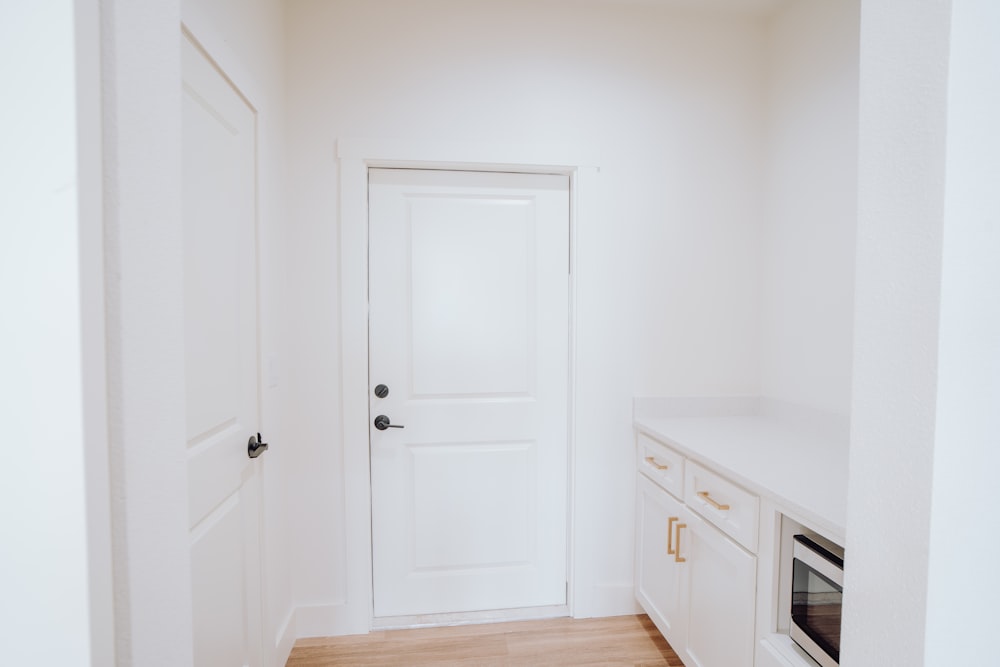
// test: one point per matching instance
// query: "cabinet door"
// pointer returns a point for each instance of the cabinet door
(720, 585)
(657, 574)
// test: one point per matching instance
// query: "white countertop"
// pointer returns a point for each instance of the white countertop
(797, 459)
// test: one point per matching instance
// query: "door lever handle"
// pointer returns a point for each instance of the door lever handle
(382, 423)
(255, 447)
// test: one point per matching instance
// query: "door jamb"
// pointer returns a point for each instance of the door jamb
(355, 157)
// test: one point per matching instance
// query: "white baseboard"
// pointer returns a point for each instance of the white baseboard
(609, 600)
(329, 620)
(285, 639)
(470, 618)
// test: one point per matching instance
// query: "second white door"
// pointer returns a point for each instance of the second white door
(469, 328)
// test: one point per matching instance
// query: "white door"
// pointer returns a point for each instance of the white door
(220, 337)
(469, 280)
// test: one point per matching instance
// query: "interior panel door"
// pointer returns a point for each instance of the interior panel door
(469, 328)
(220, 336)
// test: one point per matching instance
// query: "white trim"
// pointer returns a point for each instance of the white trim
(143, 250)
(485, 155)
(93, 333)
(198, 26)
(470, 617)
(285, 638)
(325, 620)
(789, 654)
(582, 572)
(355, 157)
(611, 600)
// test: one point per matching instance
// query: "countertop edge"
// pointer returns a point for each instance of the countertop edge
(798, 509)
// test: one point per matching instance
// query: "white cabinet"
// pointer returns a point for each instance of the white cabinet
(720, 597)
(734, 511)
(658, 582)
(697, 584)
(661, 464)
(768, 656)
(740, 474)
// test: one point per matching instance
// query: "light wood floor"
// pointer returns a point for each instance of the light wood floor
(621, 640)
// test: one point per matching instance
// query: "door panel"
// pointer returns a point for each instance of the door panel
(721, 595)
(219, 614)
(658, 574)
(469, 288)
(220, 325)
(469, 330)
(494, 480)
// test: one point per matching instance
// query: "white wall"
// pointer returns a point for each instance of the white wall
(667, 274)
(247, 40)
(140, 51)
(807, 255)
(55, 562)
(961, 617)
(903, 110)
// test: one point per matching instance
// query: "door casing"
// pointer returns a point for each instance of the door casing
(355, 158)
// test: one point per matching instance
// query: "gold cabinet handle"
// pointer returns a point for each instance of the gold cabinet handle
(711, 501)
(652, 461)
(677, 554)
(670, 535)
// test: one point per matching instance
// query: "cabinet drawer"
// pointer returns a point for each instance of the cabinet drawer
(726, 505)
(661, 464)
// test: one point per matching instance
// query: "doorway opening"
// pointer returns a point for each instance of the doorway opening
(356, 614)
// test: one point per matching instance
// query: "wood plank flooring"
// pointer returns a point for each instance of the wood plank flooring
(620, 640)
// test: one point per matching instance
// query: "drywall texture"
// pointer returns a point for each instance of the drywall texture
(903, 104)
(966, 456)
(667, 274)
(807, 249)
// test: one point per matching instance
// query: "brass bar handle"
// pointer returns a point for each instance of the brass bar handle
(711, 501)
(651, 460)
(670, 535)
(677, 556)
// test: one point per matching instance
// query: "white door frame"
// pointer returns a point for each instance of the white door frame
(355, 157)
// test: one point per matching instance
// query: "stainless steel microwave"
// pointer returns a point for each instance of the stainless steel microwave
(817, 598)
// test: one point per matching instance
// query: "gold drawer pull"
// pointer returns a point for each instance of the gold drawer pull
(677, 555)
(711, 501)
(651, 460)
(670, 535)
